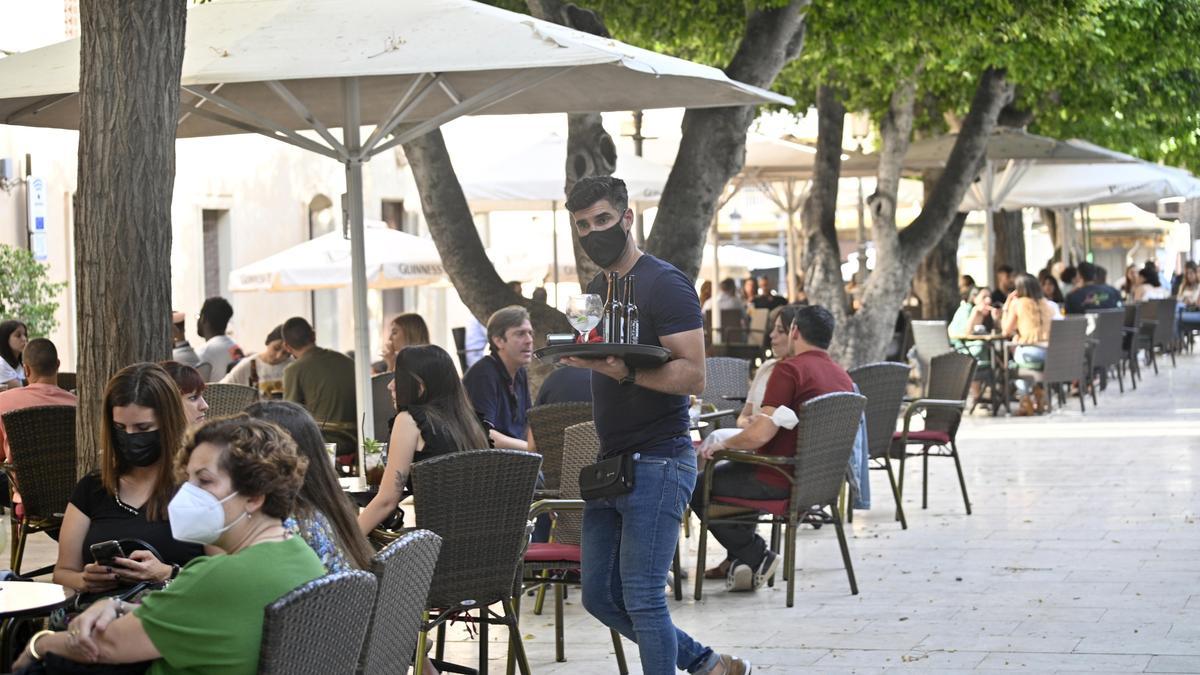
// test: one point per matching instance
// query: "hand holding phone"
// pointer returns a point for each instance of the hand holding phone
(105, 551)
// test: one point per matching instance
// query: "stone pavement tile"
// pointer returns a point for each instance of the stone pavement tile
(1053, 662)
(913, 658)
(1139, 644)
(1037, 613)
(1174, 664)
(992, 643)
(1082, 629)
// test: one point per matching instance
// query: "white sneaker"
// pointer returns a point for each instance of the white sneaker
(740, 577)
(766, 569)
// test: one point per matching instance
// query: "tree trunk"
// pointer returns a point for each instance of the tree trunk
(131, 53)
(1010, 240)
(936, 280)
(864, 336)
(713, 147)
(458, 243)
(822, 258)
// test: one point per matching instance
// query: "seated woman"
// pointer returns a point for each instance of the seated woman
(127, 498)
(406, 330)
(191, 387)
(323, 516)
(1189, 297)
(242, 479)
(1150, 286)
(781, 348)
(1051, 292)
(433, 418)
(1026, 321)
(14, 335)
(975, 315)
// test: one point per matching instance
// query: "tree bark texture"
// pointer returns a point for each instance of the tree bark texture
(863, 337)
(130, 58)
(712, 149)
(936, 280)
(458, 243)
(1010, 240)
(822, 258)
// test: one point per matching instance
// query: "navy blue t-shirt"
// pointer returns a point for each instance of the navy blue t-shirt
(630, 418)
(566, 385)
(497, 398)
(1092, 296)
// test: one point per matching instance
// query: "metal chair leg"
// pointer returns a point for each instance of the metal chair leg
(422, 640)
(841, 533)
(887, 463)
(962, 483)
(440, 649)
(622, 666)
(700, 551)
(924, 476)
(19, 552)
(540, 601)
(560, 648)
(483, 640)
(514, 637)
(789, 554)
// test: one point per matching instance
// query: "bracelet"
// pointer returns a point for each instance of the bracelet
(118, 607)
(33, 644)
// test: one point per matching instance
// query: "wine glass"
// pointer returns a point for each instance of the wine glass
(584, 313)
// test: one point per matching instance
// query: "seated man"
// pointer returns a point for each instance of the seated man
(1093, 294)
(809, 373)
(219, 351)
(41, 369)
(321, 380)
(497, 384)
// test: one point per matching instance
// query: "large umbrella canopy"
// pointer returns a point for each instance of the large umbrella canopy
(740, 257)
(276, 67)
(394, 260)
(533, 178)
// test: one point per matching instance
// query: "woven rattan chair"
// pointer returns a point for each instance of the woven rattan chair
(404, 570)
(225, 400)
(1129, 344)
(949, 381)
(318, 629)
(931, 338)
(546, 423)
(1066, 359)
(1166, 328)
(477, 501)
(42, 441)
(883, 384)
(1107, 356)
(381, 403)
(550, 563)
(66, 380)
(825, 439)
(726, 384)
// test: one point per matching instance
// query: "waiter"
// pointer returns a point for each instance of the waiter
(629, 540)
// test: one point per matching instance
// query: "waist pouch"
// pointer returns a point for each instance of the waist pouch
(608, 478)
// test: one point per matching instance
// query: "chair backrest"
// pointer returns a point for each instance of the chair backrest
(1108, 334)
(1066, 352)
(949, 380)
(404, 570)
(228, 399)
(42, 441)
(1165, 331)
(733, 326)
(546, 423)
(760, 325)
(460, 345)
(725, 376)
(67, 380)
(1133, 314)
(318, 628)
(884, 385)
(581, 446)
(205, 370)
(477, 501)
(931, 338)
(381, 403)
(827, 429)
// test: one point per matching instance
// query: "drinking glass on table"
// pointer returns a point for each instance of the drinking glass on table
(584, 313)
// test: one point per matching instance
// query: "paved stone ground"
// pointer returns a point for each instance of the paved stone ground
(1083, 555)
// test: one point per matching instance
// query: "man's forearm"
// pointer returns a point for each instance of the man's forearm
(674, 377)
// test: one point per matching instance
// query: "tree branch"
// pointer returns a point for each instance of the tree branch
(896, 132)
(822, 268)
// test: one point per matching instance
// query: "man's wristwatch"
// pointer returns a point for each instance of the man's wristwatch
(631, 377)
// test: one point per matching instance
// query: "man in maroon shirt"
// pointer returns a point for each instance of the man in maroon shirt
(806, 375)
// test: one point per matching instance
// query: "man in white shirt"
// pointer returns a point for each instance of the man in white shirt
(220, 350)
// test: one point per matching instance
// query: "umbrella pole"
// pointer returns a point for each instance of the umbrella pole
(715, 311)
(358, 266)
(554, 243)
(989, 229)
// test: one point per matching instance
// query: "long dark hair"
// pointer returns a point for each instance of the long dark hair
(320, 491)
(147, 385)
(6, 330)
(1028, 287)
(443, 400)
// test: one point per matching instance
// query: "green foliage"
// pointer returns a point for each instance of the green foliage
(25, 293)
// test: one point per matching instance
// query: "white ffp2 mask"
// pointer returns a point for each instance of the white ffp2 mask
(196, 515)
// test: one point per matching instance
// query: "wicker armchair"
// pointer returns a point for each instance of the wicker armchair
(546, 423)
(1166, 329)
(550, 563)
(381, 403)
(483, 535)
(1107, 356)
(1130, 343)
(726, 384)
(828, 426)
(42, 441)
(883, 384)
(404, 570)
(949, 381)
(225, 400)
(1066, 359)
(317, 629)
(931, 338)
(67, 380)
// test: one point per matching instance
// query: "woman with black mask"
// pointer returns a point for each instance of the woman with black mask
(126, 499)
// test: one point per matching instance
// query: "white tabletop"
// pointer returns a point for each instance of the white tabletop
(17, 597)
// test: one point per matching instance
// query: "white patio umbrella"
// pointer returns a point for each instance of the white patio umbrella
(394, 259)
(740, 257)
(276, 67)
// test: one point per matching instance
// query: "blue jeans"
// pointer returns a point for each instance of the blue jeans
(628, 545)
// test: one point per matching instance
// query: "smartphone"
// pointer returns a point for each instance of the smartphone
(105, 551)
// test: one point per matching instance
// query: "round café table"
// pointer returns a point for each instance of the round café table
(998, 345)
(20, 599)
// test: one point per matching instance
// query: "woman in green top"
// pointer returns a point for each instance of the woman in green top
(242, 479)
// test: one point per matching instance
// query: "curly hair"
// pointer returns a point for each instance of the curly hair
(260, 458)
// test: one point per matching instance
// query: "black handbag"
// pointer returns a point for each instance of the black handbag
(611, 477)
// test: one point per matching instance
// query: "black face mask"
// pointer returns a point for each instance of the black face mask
(605, 247)
(140, 449)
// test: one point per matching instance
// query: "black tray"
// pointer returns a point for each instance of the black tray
(638, 356)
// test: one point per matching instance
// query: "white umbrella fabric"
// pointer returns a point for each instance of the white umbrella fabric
(394, 259)
(277, 67)
(740, 257)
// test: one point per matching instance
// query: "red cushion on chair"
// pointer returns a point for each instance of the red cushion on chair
(553, 553)
(19, 510)
(346, 460)
(777, 507)
(924, 436)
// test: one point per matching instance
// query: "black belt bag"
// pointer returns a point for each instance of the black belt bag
(608, 478)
